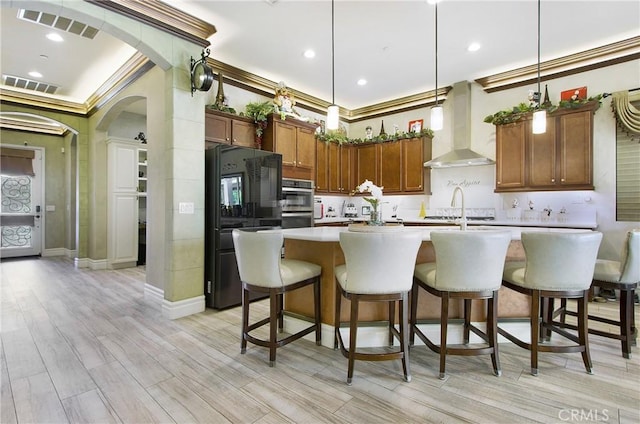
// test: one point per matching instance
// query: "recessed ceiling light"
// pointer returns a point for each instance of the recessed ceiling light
(362, 81)
(55, 37)
(35, 74)
(473, 47)
(309, 54)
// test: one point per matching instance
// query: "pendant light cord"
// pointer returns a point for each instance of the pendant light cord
(436, 29)
(333, 53)
(539, 92)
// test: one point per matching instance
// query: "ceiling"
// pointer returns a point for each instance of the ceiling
(389, 43)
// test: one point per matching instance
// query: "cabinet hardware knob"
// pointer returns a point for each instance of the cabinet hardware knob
(562, 180)
(227, 138)
(553, 180)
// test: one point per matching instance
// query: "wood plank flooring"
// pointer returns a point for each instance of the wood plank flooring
(81, 346)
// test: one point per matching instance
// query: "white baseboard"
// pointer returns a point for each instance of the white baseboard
(59, 251)
(92, 264)
(182, 308)
(154, 293)
(377, 335)
(69, 253)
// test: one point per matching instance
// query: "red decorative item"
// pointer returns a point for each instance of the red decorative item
(574, 94)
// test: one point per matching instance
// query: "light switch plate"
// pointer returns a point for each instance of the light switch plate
(186, 207)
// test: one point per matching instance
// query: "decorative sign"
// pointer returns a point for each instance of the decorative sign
(464, 183)
(574, 94)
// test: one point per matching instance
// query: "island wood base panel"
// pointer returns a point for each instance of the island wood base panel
(329, 254)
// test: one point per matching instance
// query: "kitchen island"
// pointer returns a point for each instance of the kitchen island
(321, 245)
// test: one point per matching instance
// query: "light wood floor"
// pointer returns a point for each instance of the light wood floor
(86, 346)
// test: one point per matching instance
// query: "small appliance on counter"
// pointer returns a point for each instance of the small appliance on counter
(350, 211)
(318, 208)
(331, 213)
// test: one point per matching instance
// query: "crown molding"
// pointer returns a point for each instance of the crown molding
(163, 17)
(607, 55)
(10, 123)
(133, 69)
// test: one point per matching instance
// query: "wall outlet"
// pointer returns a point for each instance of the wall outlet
(186, 207)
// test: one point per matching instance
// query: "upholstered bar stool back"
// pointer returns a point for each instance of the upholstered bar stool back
(558, 265)
(622, 275)
(379, 268)
(261, 269)
(468, 266)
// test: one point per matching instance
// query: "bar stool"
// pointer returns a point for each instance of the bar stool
(621, 275)
(379, 268)
(558, 265)
(468, 266)
(262, 269)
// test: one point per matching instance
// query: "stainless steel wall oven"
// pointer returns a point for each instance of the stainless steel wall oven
(297, 203)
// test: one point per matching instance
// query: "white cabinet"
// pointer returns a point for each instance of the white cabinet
(127, 185)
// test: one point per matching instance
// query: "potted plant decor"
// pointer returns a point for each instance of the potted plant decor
(259, 111)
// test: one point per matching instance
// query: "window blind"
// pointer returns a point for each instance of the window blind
(627, 174)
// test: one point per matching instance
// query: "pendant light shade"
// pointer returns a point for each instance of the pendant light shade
(333, 112)
(333, 117)
(539, 124)
(437, 114)
(437, 118)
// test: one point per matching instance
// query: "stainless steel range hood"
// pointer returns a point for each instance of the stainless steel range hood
(462, 155)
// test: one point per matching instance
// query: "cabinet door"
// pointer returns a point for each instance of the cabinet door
(322, 167)
(243, 133)
(510, 156)
(305, 148)
(542, 156)
(123, 168)
(346, 169)
(413, 164)
(285, 142)
(390, 166)
(366, 163)
(333, 159)
(123, 243)
(217, 129)
(575, 144)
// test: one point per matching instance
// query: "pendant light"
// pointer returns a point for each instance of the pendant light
(333, 110)
(539, 124)
(437, 115)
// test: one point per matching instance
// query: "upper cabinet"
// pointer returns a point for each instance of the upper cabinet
(295, 140)
(559, 159)
(398, 166)
(225, 128)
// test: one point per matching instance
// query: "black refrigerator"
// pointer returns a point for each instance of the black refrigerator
(243, 189)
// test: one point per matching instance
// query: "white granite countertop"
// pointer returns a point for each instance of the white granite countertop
(332, 234)
(586, 224)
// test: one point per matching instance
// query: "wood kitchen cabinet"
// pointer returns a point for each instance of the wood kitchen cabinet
(322, 167)
(559, 159)
(334, 168)
(295, 141)
(366, 163)
(390, 166)
(510, 156)
(225, 128)
(340, 167)
(415, 177)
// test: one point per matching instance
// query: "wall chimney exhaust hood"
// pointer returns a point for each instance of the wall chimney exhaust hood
(462, 155)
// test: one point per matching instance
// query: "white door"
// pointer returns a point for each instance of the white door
(21, 211)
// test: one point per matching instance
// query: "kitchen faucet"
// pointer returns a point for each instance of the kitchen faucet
(463, 220)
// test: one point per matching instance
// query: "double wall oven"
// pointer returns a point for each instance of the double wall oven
(297, 203)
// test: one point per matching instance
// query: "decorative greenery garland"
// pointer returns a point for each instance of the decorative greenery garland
(340, 138)
(523, 110)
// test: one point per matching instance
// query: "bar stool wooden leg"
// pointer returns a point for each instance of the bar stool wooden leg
(583, 330)
(245, 320)
(336, 325)
(317, 311)
(353, 332)
(467, 321)
(273, 325)
(392, 318)
(444, 321)
(535, 330)
(404, 335)
(492, 322)
(414, 312)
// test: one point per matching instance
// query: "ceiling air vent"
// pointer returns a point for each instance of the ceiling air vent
(59, 22)
(28, 84)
